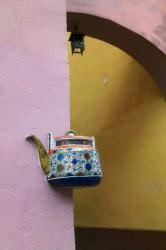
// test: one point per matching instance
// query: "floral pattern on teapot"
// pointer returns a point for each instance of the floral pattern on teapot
(74, 162)
(71, 160)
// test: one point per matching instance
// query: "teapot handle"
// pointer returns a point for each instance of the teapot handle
(70, 132)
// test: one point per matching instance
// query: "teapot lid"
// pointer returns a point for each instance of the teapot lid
(70, 140)
(71, 134)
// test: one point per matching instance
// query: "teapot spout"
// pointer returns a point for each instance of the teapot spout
(43, 155)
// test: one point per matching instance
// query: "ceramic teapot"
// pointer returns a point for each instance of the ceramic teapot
(71, 160)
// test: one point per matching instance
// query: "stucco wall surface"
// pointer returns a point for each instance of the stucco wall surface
(34, 97)
(114, 99)
(147, 18)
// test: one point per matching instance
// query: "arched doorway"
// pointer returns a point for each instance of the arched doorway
(131, 133)
(147, 54)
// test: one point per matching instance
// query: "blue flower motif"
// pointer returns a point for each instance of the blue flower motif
(88, 166)
(60, 157)
(74, 161)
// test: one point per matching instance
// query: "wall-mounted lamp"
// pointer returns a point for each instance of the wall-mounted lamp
(77, 42)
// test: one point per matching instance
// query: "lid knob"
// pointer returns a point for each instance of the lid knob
(70, 132)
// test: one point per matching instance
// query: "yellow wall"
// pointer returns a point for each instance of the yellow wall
(117, 101)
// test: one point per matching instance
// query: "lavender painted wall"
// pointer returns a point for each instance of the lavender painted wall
(34, 97)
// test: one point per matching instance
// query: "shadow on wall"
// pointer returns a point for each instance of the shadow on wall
(113, 239)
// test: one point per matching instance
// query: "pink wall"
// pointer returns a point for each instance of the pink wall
(34, 97)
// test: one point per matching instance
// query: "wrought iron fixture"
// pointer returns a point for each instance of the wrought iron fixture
(77, 42)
